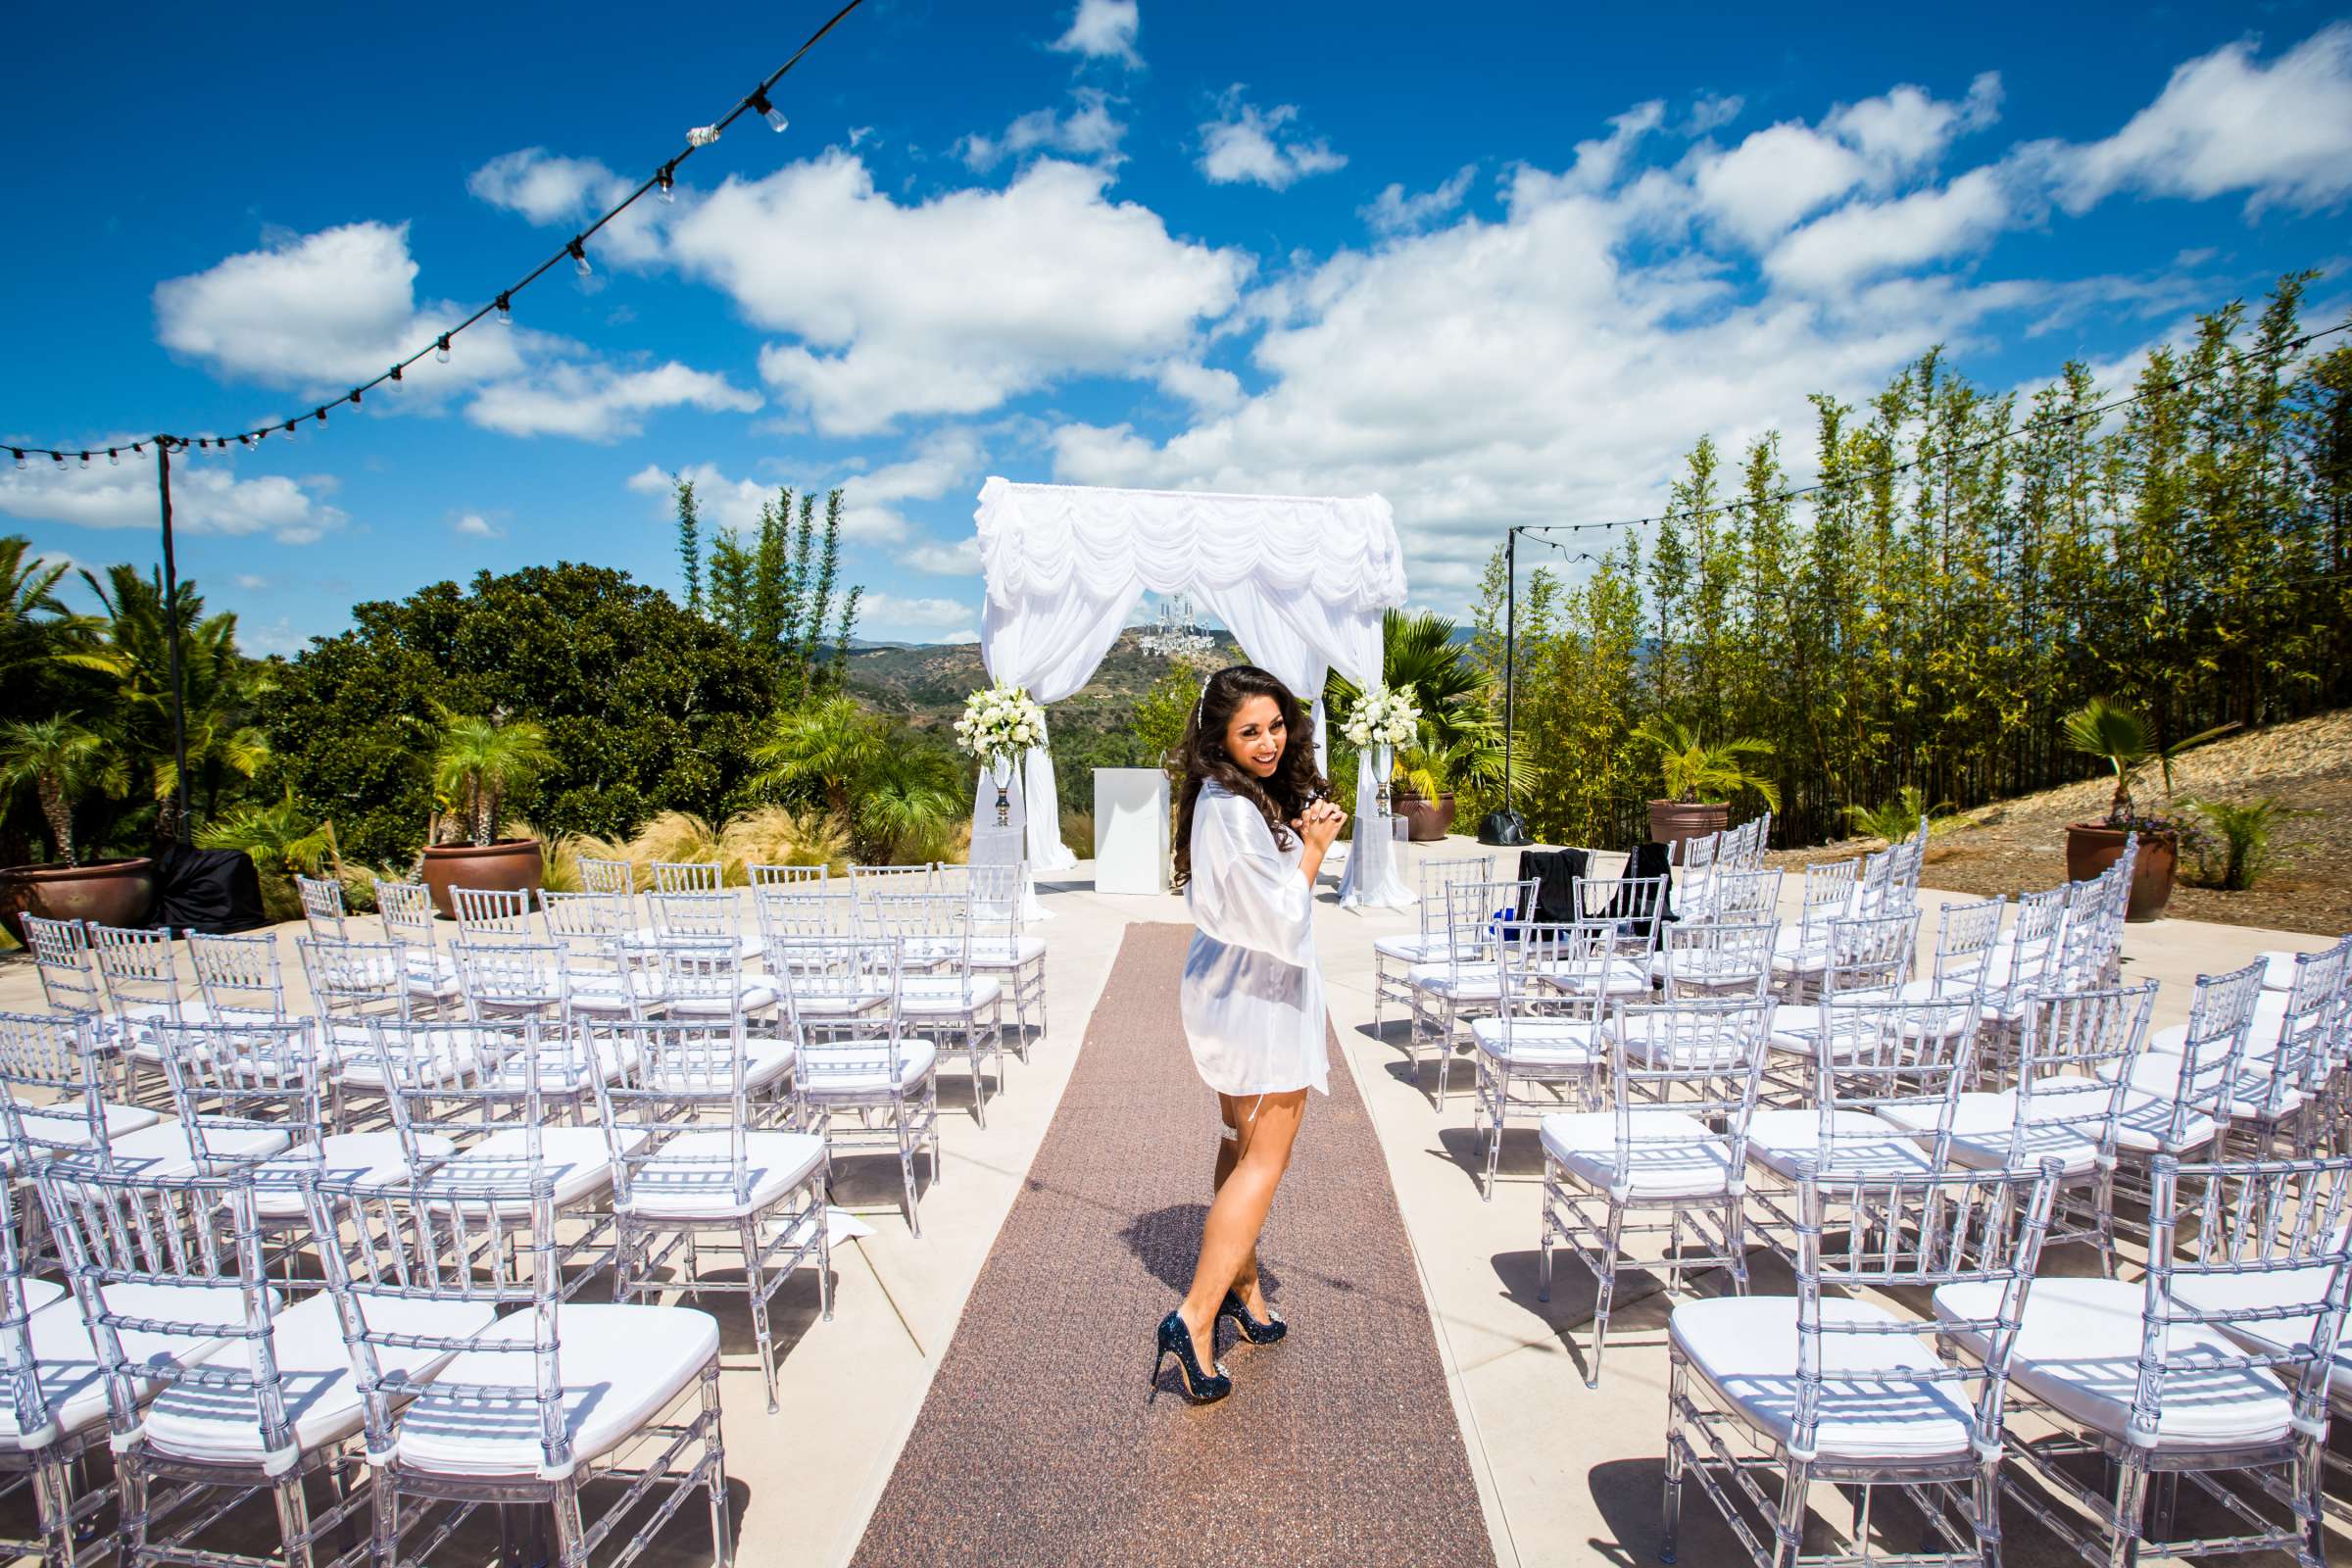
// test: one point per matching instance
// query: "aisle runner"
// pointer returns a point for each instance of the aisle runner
(1035, 1448)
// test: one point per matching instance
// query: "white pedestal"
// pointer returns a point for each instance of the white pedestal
(1008, 845)
(1130, 830)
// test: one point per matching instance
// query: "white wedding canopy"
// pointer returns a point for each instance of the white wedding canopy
(1301, 581)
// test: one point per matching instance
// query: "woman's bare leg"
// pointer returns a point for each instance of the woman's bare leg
(1239, 1214)
(1235, 1113)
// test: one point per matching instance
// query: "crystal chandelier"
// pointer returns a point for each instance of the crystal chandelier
(1176, 634)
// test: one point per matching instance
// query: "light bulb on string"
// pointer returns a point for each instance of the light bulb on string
(355, 396)
(86, 460)
(321, 413)
(290, 430)
(665, 184)
(506, 310)
(441, 350)
(769, 112)
(579, 259)
(20, 452)
(395, 374)
(114, 459)
(59, 458)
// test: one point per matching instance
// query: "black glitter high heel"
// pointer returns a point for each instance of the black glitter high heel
(1176, 1339)
(1269, 1332)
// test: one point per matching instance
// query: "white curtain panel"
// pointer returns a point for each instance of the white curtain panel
(1301, 581)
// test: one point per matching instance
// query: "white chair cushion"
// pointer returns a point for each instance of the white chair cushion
(757, 995)
(1671, 1154)
(49, 1125)
(1419, 948)
(577, 1159)
(167, 1150)
(668, 1186)
(2278, 968)
(1006, 953)
(837, 1004)
(2077, 1351)
(1541, 1042)
(2262, 1035)
(747, 944)
(1472, 982)
(2286, 1287)
(621, 1366)
(370, 1160)
(1613, 977)
(1788, 1143)
(322, 1397)
(929, 997)
(863, 1069)
(2158, 1076)
(1873, 1407)
(1980, 1133)
(73, 1382)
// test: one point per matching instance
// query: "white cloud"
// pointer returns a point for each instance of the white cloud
(1087, 131)
(597, 403)
(1867, 238)
(250, 582)
(880, 613)
(1392, 212)
(476, 526)
(1102, 30)
(1203, 386)
(1906, 129)
(955, 305)
(572, 193)
(1246, 143)
(2227, 122)
(939, 464)
(958, 560)
(1711, 113)
(207, 498)
(321, 312)
(1775, 177)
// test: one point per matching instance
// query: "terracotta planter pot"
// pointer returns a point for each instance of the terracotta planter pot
(1672, 821)
(109, 892)
(509, 866)
(2094, 846)
(1430, 819)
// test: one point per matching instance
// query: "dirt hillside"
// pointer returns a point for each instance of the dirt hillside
(2016, 846)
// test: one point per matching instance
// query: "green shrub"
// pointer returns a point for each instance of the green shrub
(2240, 848)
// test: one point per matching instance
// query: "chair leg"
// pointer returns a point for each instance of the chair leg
(906, 1134)
(571, 1535)
(383, 1510)
(1498, 1106)
(1670, 1523)
(53, 1499)
(1543, 1233)
(1788, 1528)
(754, 1281)
(723, 1533)
(1607, 1277)
(294, 1521)
(2130, 1495)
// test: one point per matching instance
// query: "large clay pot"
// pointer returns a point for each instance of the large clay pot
(1428, 819)
(109, 892)
(509, 866)
(1670, 821)
(2094, 846)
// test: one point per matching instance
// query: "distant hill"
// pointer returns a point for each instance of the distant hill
(925, 684)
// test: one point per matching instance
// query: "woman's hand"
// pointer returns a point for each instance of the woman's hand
(1319, 825)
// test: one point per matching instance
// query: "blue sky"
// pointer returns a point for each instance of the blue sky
(1501, 265)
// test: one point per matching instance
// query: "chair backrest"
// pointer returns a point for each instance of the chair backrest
(1475, 911)
(788, 914)
(1702, 1058)
(1869, 952)
(584, 922)
(467, 1080)
(492, 914)
(1698, 851)
(1743, 897)
(841, 1009)
(2221, 1013)
(240, 975)
(198, 1238)
(139, 972)
(322, 908)
(1875, 1052)
(608, 876)
(868, 881)
(48, 1064)
(996, 895)
(687, 876)
(934, 929)
(2312, 1036)
(1441, 875)
(1530, 957)
(1759, 829)
(1633, 902)
(242, 1078)
(706, 915)
(2030, 948)
(2075, 1052)
(1720, 958)
(28, 1400)
(673, 1076)
(704, 979)
(503, 978)
(406, 911)
(788, 876)
(2092, 934)
(352, 980)
(1919, 1232)
(1966, 938)
(69, 971)
(2211, 1226)
(1829, 893)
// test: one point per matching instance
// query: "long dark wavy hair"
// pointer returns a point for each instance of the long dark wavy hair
(1202, 755)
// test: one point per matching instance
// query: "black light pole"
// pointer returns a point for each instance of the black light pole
(1507, 826)
(180, 719)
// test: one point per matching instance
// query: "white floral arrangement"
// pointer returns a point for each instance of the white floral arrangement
(1383, 717)
(999, 723)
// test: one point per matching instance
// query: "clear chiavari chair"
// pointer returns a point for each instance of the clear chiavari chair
(940, 997)
(855, 1059)
(1446, 994)
(1768, 1395)
(706, 983)
(686, 876)
(603, 1416)
(1831, 893)
(68, 968)
(493, 914)
(696, 1168)
(1542, 1048)
(697, 915)
(1003, 949)
(503, 979)
(53, 1085)
(601, 976)
(1394, 957)
(141, 974)
(207, 1135)
(866, 881)
(1868, 956)
(322, 912)
(405, 909)
(1668, 1158)
(55, 1410)
(2178, 1106)
(617, 878)
(240, 977)
(1716, 959)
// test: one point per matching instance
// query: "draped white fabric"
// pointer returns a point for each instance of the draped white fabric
(1300, 582)
(1373, 879)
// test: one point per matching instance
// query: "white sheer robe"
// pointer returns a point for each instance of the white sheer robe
(1251, 998)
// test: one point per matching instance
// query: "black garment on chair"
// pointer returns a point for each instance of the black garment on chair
(1647, 859)
(1555, 874)
(212, 890)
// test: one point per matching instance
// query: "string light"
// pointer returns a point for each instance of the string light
(86, 460)
(354, 397)
(666, 183)
(441, 350)
(768, 110)
(579, 259)
(114, 459)
(506, 313)
(394, 375)
(20, 452)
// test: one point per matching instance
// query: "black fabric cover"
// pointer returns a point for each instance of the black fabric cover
(1555, 874)
(212, 890)
(1649, 859)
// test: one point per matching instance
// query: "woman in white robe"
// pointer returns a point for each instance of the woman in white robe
(1252, 829)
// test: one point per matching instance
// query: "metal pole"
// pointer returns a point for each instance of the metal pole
(1510, 654)
(179, 718)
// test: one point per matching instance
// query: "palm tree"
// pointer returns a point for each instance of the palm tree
(823, 749)
(31, 617)
(280, 838)
(1461, 742)
(59, 759)
(909, 801)
(480, 760)
(2117, 736)
(1695, 771)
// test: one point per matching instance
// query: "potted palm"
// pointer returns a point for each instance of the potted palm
(1702, 780)
(61, 761)
(1455, 744)
(477, 764)
(2118, 737)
